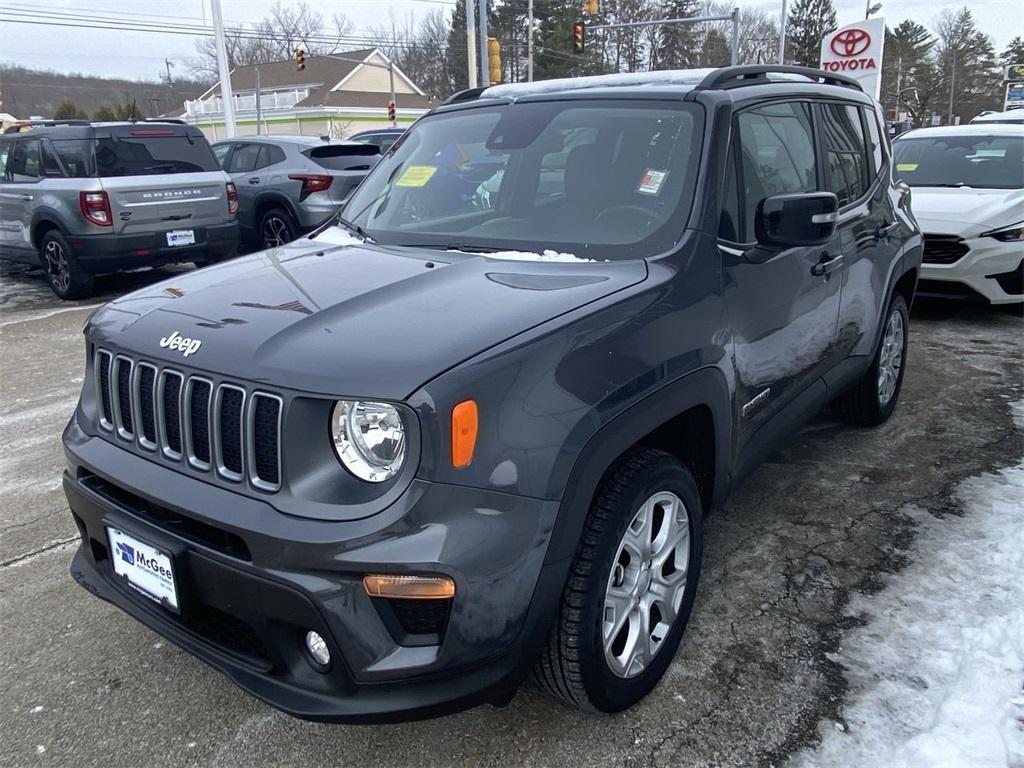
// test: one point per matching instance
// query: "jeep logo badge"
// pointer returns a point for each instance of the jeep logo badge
(178, 342)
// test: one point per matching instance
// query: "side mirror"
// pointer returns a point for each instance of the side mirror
(792, 220)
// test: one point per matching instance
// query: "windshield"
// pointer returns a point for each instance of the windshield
(979, 162)
(594, 179)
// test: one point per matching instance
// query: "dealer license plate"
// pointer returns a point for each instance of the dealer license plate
(181, 237)
(147, 569)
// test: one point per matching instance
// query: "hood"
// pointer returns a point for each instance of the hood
(964, 211)
(353, 320)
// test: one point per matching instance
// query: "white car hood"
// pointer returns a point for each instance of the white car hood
(964, 211)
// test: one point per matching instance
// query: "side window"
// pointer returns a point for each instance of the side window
(874, 140)
(51, 164)
(243, 159)
(5, 151)
(271, 155)
(221, 153)
(385, 142)
(23, 164)
(729, 221)
(845, 151)
(776, 156)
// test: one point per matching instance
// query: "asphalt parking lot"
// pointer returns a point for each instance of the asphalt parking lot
(83, 684)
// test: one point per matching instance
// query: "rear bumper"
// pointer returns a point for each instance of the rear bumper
(245, 609)
(111, 252)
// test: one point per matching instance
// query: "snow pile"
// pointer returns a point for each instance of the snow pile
(936, 674)
(337, 236)
(664, 77)
(548, 255)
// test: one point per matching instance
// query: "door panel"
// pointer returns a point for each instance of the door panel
(783, 315)
(246, 169)
(855, 160)
(19, 193)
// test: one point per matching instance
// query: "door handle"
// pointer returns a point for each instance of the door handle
(883, 231)
(27, 198)
(254, 181)
(827, 266)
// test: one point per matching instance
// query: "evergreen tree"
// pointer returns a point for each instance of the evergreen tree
(677, 46)
(128, 111)
(907, 70)
(104, 114)
(1014, 53)
(809, 21)
(969, 76)
(716, 52)
(68, 110)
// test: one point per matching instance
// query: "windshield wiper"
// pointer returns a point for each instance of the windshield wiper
(354, 228)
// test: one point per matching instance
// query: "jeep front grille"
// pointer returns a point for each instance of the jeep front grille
(223, 428)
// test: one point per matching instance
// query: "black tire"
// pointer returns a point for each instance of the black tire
(275, 220)
(865, 404)
(65, 275)
(573, 665)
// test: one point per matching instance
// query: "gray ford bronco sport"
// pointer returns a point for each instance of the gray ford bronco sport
(472, 427)
(82, 199)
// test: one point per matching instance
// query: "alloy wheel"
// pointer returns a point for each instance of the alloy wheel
(276, 232)
(890, 358)
(646, 585)
(57, 266)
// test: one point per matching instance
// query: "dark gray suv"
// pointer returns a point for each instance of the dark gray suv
(473, 427)
(84, 198)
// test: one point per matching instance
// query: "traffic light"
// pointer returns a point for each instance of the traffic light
(578, 37)
(494, 59)
(300, 59)
(591, 7)
(391, 110)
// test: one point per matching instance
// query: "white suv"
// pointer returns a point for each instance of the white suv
(968, 197)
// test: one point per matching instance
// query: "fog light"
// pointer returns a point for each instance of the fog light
(317, 648)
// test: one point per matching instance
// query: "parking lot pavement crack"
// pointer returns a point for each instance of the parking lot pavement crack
(34, 520)
(23, 558)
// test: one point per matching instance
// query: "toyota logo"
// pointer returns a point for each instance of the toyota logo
(850, 42)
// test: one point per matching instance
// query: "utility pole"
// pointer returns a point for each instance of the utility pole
(782, 35)
(485, 72)
(529, 42)
(952, 83)
(471, 43)
(170, 80)
(222, 68)
(734, 55)
(259, 113)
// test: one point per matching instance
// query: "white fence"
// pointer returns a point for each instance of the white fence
(268, 102)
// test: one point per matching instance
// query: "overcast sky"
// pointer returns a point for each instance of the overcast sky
(140, 55)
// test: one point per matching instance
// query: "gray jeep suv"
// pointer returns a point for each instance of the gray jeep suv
(85, 198)
(386, 470)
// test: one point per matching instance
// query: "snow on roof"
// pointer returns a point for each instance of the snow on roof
(687, 77)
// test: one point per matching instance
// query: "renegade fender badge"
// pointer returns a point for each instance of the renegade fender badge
(180, 343)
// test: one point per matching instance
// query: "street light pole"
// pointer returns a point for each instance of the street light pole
(529, 42)
(952, 83)
(782, 35)
(485, 71)
(471, 43)
(391, 78)
(222, 69)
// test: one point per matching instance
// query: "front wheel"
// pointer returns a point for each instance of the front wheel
(631, 587)
(873, 399)
(66, 277)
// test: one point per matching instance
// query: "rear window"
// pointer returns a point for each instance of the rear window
(344, 157)
(153, 155)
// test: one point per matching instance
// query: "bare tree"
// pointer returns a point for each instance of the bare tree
(273, 38)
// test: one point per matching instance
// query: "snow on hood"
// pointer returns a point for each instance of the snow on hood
(547, 255)
(965, 211)
(337, 236)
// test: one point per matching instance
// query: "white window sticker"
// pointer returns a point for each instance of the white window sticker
(651, 182)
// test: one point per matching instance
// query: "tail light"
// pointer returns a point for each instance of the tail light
(311, 182)
(95, 206)
(232, 198)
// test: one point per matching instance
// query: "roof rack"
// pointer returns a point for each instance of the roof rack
(756, 74)
(467, 95)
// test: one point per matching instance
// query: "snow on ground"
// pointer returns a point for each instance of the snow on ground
(937, 672)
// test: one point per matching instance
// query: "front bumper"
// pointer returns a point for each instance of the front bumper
(988, 270)
(252, 581)
(110, 252)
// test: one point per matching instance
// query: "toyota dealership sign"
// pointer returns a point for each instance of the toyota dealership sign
(856, 51)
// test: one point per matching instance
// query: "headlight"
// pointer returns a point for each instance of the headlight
(369, 439)
(1009, 234)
